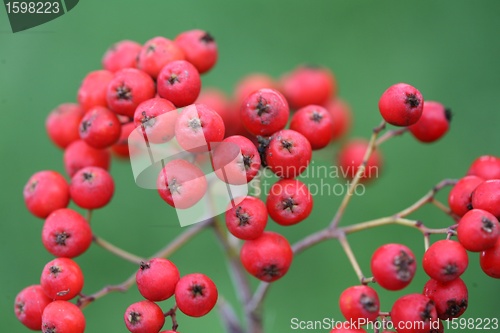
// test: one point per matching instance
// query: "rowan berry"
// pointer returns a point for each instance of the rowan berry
(486, 167)
(445, 260)
(478, 230)
(433, 123)
(199, 48)
(252, 83)
(79, 155)
(61, 279)
(92, 91)
(121, 147)
(350, 158)
(486, 196)
(29, 305)
(156, 118)
(419, 310)
(144, 317)
(100, 128)
(196, 294)
(490, 260)
(315, 123)
(460, 197)
(156, 53)
(451, 298)
(45, 192)
(393, 266)
(401, 105)
(62, 316)
(62, 124)
(247, 218)
(156, 279)
(179, 82)
(288, 154)
(92, 188)
(289, 202)
(359, 302)
(123, 54)
(341, 115)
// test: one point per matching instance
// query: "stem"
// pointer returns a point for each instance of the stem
(83, 301)
(119, 252)
(228, 317)
(172, 314)
(390, 134)
(350, 255)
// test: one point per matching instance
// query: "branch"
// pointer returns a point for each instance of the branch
(119, 252)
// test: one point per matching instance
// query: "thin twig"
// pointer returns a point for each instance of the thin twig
(119, 252)
(173, 315)
(350, 255)
(390, 134)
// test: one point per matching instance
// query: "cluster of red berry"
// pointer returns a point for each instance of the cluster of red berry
(154, 91)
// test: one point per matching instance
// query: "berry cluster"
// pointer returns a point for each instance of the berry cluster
(153, 93)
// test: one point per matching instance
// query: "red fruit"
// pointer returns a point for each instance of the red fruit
(100, 128)
(144, 317)
(445, 260)
(289, 202)
(79, 155)
(179, 82)
(196, 295)
(341, 115)
(315, 123)
(486, 196)
(486, 167)
(351, 157)
(401, 105)
(268, 257)
(92, 188)
(123, 54)
(252, 83)
(307, 85)
(62, 279)
(460, 197)
(62, 317)
(129, 88)
(433, 123)
(92, 91)
(360, 302)
(264, 112)
(62, 124)
(29, 305)
(197, 126)
(199, 47)
(393, 266)
(478, 230)
(288, 154)
(156, 118)
(66, 233)
(181, 184)
(247, 218)
(156, 53)
(451, 298)
(156, 279)
(121, 148)
(416, 309)
(45, 192)
(490, 261)
(236, 160)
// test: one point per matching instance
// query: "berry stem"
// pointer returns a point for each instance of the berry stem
(119, 252)
(350, 255)
(228, 317)
(172, 314)
(390, 134)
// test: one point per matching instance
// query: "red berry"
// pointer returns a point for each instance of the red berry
(315, 123)
(29, 305)
(393, 266)
(79, 155)
(45, 192)
(252, 83)
(307, 85)
(401, 105)
(445, 260)
(460, 197)
(156, 53)
(129, 88)
(92, 188)
(486, 196)
(268, 257)
(360, 302)
(433, 123)
(156, 117)
(351, 157)
(144, 317)
(156, 279)
(197, 126)
(181, 184)
(199, 47)
(179, 82)
(62, 317)
(247, 218)
(264, 112)
(121, 55)
(478, 230)
(486, 167)
(341, 115)
(196, 295)
(100, 128)
(451, 298)
(62, 279)
(121, 147)
(236, 160)
(92, 91)
(66, 233)
(289, 202)
(288, 154)
(413, 313)
(62, 124)
(490, 261)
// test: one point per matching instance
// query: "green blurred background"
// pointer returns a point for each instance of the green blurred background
(448, 49)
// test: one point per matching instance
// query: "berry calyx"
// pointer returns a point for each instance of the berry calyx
(196, 294)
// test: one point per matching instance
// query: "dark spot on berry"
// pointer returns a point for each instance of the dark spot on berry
(448, 114)
(287, 145)
(33, 185)
(207, 38)
(426, 314)
(262, 106)
(247, 161)
(49, 329)
(488, 225)
(84, 127)
(55, 270)
(124, 92)
(173, 79)
(134, 317)
(368, 303)
(271, 271)
(469, 206)
(412, 100)
(403, 262)
(197, 290)
(289, 203)
(151, 48)
(262, 149)
(20, 307)
(450, 269)
(87, 176)
(144, 265)
(244, 218)
(174, 187)
(147, 120)
(454, 307)
(61, 238)
(195, 123)
(316, 117)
